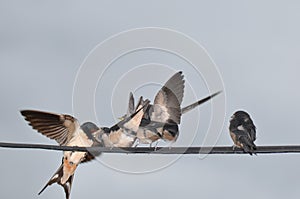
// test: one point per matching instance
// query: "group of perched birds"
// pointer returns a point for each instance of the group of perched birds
(144, 123)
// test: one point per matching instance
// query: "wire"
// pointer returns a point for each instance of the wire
(158, 150)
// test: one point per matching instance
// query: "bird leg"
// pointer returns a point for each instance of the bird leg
(136, 143)
(234, 147)
(155, 147)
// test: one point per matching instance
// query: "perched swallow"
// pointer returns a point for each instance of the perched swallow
(243, 131)
(161, 119)
(67, 131)
(124, 133)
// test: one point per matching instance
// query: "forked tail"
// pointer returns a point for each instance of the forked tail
(194, 105)
(56, 178)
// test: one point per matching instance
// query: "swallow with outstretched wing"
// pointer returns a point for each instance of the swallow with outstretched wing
(67, 131)
(161, 119)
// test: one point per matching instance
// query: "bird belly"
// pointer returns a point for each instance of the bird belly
(146, 136)
(70, 163)
(235, 141)
(168, 136)
(125, 141)
(80, 139)
(73, 159)
(121, 139)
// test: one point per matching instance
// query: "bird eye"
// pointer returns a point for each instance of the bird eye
(71, 163)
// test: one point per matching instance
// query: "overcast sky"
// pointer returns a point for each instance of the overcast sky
(255, 45)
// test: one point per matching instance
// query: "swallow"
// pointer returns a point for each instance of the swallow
(66, 131)
(161, 119)
(243, 131)
(124, 133)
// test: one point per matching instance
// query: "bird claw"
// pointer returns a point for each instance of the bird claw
(136, 143)
(155, 147)
(171, 145)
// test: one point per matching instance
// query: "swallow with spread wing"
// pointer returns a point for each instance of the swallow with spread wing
(67, 131)
(161, 119)
(243, 131)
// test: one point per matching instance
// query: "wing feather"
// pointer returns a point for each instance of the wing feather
(168, 100)
(59, 127)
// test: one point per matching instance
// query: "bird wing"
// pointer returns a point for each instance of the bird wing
(244, 137)
(251, 129)
(89, 157)
(133, 121)
(168, 100)
(131, 107)
(176, 85)
(253, 134)
(59, 127)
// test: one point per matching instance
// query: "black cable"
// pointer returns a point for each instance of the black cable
(158, 150)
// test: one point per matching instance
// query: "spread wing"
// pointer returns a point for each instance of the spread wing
(55, 126)
(168, 100)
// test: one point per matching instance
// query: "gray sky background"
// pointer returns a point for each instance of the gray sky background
(255, 45)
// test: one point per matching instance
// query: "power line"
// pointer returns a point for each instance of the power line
(159, 150)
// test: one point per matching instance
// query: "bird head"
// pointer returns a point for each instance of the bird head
(89, 127)
(241, 115)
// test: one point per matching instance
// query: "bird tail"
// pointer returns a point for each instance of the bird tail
(248, 145)
(195, 104)
(56, 178)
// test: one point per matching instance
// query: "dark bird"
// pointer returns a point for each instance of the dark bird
(66, 130)
(243, 131)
